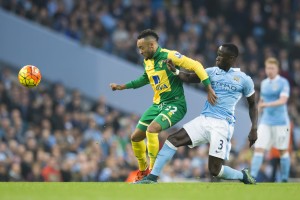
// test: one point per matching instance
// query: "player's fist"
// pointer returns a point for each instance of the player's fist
(115, 86)
(252, 137)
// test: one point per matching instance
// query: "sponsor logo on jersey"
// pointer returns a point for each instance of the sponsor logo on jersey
(223, 86)
(160, 63)
(156, 79)
(161, 87)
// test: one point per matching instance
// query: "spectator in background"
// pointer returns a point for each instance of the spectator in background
(51, 172)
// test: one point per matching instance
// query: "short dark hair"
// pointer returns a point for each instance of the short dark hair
(148, 32)
(232, 48)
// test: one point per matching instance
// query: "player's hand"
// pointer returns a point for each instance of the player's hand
(170, 65)
(211, 95)
(252, 137)
(261, 104)
(115, 86)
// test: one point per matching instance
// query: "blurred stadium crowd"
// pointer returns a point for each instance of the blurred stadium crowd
(49, 134)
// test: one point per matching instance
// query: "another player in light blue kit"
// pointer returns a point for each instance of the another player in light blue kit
(274, 125)
(216, 123)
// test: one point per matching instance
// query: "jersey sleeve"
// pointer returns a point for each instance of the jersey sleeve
(139, 82)
(210, 70)
(189, 64)
(285, 91)
(248, 88)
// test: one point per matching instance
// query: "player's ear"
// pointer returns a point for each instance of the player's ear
(151, 44)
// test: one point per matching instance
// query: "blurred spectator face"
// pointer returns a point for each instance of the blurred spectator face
(271, 70)
(59, 92)
(53, 163)
(28, 157)
(36, 169)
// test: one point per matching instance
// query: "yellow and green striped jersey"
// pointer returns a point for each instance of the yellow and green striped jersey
(165, 84)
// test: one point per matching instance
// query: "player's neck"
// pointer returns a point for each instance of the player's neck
(226, 69)
(273, 77)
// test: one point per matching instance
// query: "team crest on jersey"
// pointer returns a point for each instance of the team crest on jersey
(275, 86)
(236, 78)
(160, 63)
(178, 55)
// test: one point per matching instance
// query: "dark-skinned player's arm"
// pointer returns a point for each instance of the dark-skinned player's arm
(139, 82)
(193, 78)
(253, 113)
(184, 76)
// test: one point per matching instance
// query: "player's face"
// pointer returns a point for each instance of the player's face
(271, 70)
(146, 48)
(224, 58)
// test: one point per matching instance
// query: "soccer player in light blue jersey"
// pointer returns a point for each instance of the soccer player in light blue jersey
(216, 122)
(274, 125)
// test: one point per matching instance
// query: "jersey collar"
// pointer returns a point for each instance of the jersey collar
(157, 52)
(274, 79)
(231, 70)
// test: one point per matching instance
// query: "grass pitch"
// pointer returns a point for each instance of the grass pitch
(162, 191)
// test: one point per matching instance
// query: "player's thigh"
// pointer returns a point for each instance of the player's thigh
(281, 137)
(170, 114)
(148, 116)
(220, 138)
(197, 130)
(264, 137)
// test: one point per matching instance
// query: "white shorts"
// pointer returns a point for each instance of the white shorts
(276, 136)
(216, 132)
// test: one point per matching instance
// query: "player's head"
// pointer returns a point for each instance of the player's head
(226, 55)
(271, 67)
(147, 43)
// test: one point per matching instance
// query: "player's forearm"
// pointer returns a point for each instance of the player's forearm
(278, 102)
(188, 77)
(253, 113)
(134, 85)
(192, 78)
(253, 116)
(141, 81)
(196, 67)
(189, 64)
(121, 87)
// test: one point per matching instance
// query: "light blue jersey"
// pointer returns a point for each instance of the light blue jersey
(271, 90)
(229, 87)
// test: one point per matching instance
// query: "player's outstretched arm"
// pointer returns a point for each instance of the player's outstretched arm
(115, 86)
(252, 137)
(139, 82)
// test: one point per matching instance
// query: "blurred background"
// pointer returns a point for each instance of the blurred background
(73, 128)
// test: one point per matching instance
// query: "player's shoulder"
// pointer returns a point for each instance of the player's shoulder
(238, 72)
(283, 79)
(211, 70)
(173, 54)
(264, 81)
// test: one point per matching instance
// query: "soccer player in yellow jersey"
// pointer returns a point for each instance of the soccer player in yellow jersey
(169, 104)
